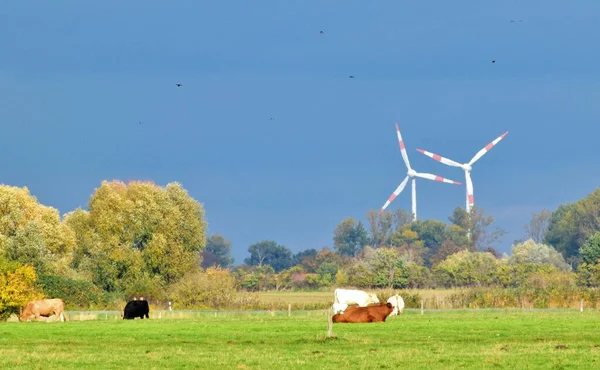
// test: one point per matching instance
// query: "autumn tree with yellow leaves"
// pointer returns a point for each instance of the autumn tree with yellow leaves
(32, 233)
(137, 234)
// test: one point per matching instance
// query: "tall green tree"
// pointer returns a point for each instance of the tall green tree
(388, 269)
(571, 225)
(268, 252)
(349, 237)
(482, 235)
(381, 227)
(590, 251)
(217, 252)
(307, 259)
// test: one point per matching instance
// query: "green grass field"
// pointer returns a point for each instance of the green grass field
(490, 339)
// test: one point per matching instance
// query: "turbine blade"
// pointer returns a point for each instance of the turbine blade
(402, 148)
(487, 148)
(395, 193)
(470, 195)
(439, 158)
(437, 178)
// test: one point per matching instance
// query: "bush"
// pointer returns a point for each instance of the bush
(17, 287)
(213, 288)
(79, 294)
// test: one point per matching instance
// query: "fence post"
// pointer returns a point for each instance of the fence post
(421, 306)
(329, 324)
(581, 306)
(289, 309)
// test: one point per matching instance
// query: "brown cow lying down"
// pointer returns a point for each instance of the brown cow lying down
(355, 314)
(43, 307)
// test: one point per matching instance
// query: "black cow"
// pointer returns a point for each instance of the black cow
(135, 309)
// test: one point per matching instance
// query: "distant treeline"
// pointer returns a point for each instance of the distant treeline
(140, 239)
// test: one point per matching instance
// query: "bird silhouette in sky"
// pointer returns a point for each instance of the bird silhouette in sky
(322, 33)
(351, 76)
(179, 85)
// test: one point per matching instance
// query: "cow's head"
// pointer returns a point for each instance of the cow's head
(373, 298)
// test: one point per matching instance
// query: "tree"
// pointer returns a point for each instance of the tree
(409, 246)
(17, 287)
(387, 268)
(590, 251)
(349, 237)
(481, 237)
(307, 259)
(467, 268)
(326, 255)
(138, 230)
(432, 233)
(33, 234)
(537, 253)
(380, 227)
(457, 235)
(538, 225)
(571, 225)
(217, 252)
(268, 252)
(402, 217)
(448, 248)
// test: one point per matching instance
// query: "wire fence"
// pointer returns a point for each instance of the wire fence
(190, 314)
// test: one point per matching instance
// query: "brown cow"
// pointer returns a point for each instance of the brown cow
(45, 308)
(376, 313)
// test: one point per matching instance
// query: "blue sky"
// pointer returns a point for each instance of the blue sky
(77, 77)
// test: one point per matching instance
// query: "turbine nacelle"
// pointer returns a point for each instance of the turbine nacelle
(411, 173)
(467, 167)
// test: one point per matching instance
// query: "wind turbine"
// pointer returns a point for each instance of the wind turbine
(466, 167)
(412, 174)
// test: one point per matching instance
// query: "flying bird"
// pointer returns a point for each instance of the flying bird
(272, 119)
(179, 85)
(351, 76)
(493, 60)
(322, 33)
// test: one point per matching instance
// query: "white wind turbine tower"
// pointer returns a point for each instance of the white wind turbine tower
(466, 167)
(412, 174)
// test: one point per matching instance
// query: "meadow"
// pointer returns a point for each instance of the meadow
(439, 339)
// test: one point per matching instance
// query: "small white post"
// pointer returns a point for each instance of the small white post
(581, 306)
(289, 309)
(329, 324)
(170, 306)
(421, 306)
